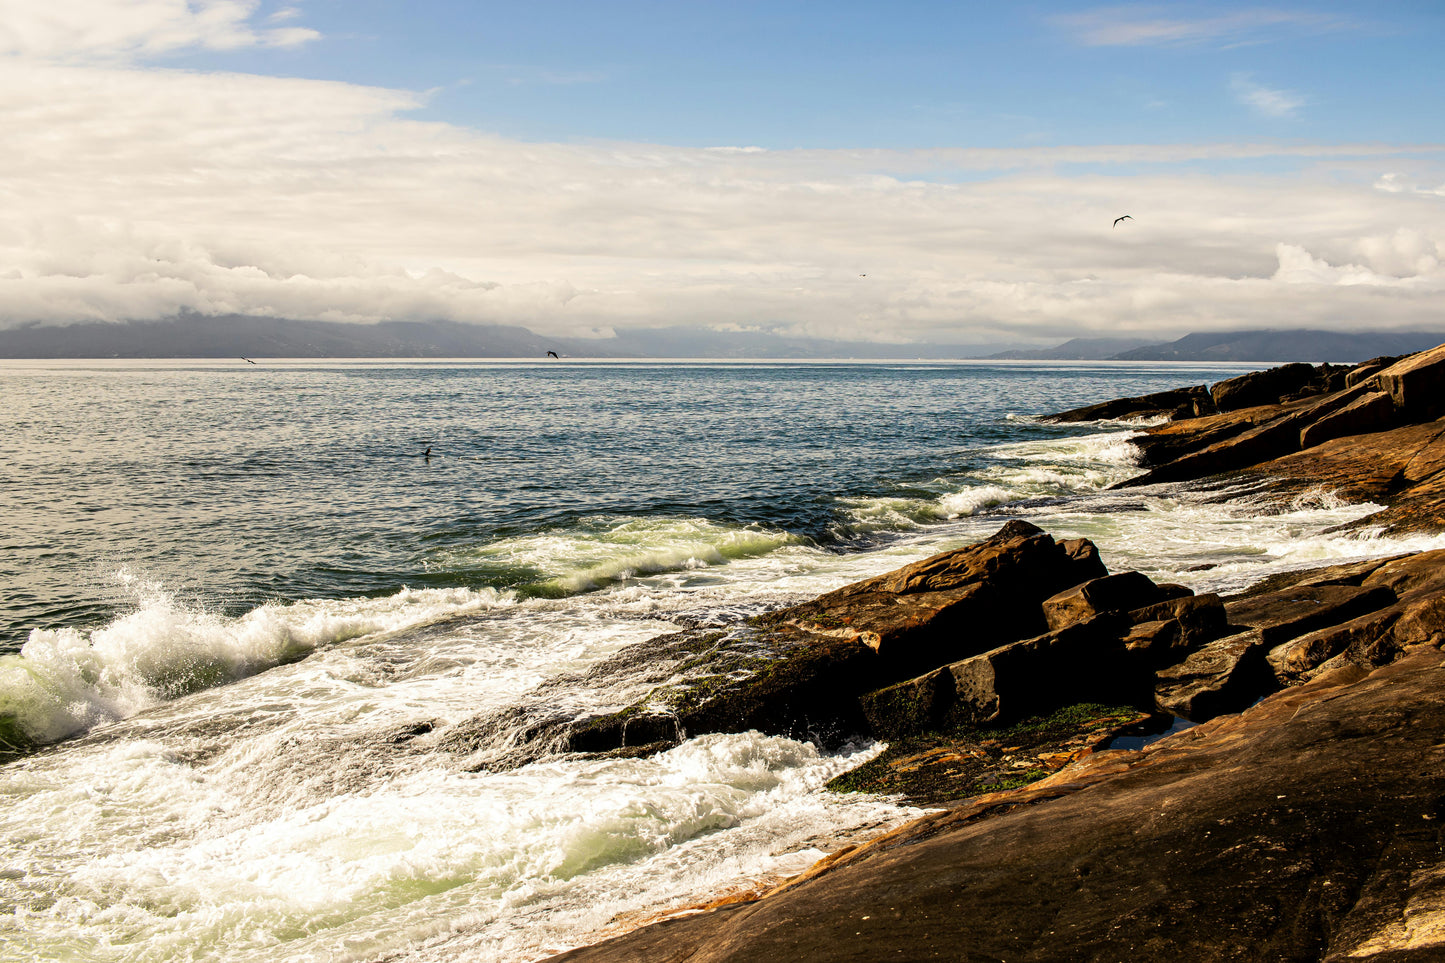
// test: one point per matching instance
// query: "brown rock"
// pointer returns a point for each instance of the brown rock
(1417, 384)
(1261, 387)
(1197, 620)
(1370, 412)
(1083, 662)
(1409, 576)
(1111, 593)
(1223, 676)
(1310, 828)
(954, 604)
(1363, 371)
(1157, 643)
(1195, 400)
(1292, 612)
(1294, 661)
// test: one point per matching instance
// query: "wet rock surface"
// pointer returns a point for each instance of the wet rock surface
(1307, 828)
(1300, 820)
(1372, 432)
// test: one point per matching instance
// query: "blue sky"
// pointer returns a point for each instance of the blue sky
(576, 167)
(903, 75)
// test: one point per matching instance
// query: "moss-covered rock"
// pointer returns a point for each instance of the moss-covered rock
(939, 767)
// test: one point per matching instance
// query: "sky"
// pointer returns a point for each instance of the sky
(902, 172)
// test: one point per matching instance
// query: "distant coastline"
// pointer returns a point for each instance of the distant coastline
(236, 336)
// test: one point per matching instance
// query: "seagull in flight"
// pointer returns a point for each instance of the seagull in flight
(1126, 217)
(553, 354)
(248, 360)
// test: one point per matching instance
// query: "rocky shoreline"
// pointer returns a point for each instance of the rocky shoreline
(1294, 813)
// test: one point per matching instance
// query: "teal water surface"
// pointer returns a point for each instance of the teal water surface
(234, 484)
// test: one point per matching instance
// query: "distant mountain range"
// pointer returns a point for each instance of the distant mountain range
(1076, 349)
(232, 336)
(1292, 345)
(1262, 346)
(236, 336)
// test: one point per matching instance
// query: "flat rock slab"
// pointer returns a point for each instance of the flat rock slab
(1292, 612)
(939, 768)
(1310, 828)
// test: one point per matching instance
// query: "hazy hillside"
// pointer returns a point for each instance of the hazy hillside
(233, 336)
(1076, 349)
(1298, 345)
(196, 336)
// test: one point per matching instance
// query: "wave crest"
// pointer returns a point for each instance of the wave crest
(67, 681)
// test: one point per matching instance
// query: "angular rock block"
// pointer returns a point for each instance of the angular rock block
(1416, 385)
(1224, 676)
(1292, 612)
(1081, 662)
(954, 604)
(1261, 387)
(1111, 593)
(1374, 411)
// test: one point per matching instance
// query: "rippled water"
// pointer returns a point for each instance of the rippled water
(254, 616)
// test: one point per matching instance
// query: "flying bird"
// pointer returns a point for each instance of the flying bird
(248, 360)
(553, 354)
(1126, 217)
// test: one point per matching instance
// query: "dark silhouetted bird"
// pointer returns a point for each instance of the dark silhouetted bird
(1126, 217)
(552, 354)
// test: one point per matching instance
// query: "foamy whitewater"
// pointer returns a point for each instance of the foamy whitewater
(246, 621)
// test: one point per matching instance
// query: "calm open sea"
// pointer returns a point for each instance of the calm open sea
(225, 589)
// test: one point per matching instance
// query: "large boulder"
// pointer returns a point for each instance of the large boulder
(1416, 385)
(1373, 411)
(1082, 662)
(1262, 387)
(951, 605)
(1224, 676)
(1109, 593)
(1178, 403)
(1166, 632)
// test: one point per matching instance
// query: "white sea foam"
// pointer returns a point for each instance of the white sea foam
(67, 680)
(602, 551)
(447, 862)
(1014, 473)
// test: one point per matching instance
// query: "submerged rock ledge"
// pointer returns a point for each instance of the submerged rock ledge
(1300, 818)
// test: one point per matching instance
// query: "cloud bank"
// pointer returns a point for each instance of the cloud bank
(135, 193)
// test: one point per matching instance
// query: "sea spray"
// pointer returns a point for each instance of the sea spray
(599, 550)
(66, 681)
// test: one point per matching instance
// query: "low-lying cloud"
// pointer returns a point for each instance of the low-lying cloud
(138, 193)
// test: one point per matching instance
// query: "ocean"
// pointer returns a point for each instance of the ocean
(243, 606)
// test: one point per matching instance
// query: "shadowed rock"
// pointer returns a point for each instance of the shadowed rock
(1307, 829)
(952, 605)
(1263, 387)
(1178, 403)
(1223, 676)
(1109, 593)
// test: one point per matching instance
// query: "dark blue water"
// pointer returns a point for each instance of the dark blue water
(236, 484)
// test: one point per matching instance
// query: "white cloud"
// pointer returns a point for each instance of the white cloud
(1133, 26)
(130, 29)
(135, 193)
(1265, 100)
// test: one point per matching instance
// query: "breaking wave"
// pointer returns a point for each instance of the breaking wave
(66, 681)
